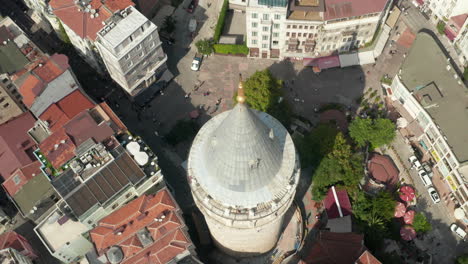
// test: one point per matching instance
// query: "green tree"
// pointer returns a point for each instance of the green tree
(378, 132)
(420, 223)
(316, 144)
(463, 259)
(205, 46)
(169, 25)
(339, 167)
(62, 33)
(369, 209)
(262, 90)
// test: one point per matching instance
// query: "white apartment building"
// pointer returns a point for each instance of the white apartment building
(131, 50)
(444, 9)
(429, 94)
(114, 36)
(311, 28)
(461, 44)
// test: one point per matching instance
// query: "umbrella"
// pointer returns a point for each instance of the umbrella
(407, 193)
(407, 233)
(409, 216)
(459, 214)
(400, 210)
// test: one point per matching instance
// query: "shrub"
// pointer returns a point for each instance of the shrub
(205, 46)
(420, 223)
(221, 19)
(231, 49)
(465, 73)
(441, 27)
(386, 80)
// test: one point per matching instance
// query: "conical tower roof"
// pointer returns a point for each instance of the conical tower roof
(243, 157)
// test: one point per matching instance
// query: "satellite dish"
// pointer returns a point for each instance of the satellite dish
(115, 255)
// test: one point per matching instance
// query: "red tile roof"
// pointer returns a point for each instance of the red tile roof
(459, 20)
(14, 240)
(16, 146)
(24, 174)
(120, 229)
(383, 170)
(58, 148)
(335, 9)
(81, 22)
(48, 71)
(367, 258)
(83, 126)
(331, 205)
(30, 89)
(335, 248)
(119, 125)
(58, 114)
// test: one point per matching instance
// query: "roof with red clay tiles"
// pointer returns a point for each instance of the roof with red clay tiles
(332, 206)
(16, 146)
(335, 9)
(168, 238)
(24, 174)
(81, 22)
(48, 71)
(58, 114)
(58, 153)
(324, 251)
(459, 20)
(30, 89)
(14, 240)
(83, 126)
(120, 126)
(367, 258)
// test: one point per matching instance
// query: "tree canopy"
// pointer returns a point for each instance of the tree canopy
(169, 25)
(420, 223)
(205, 46)
(378, 132)
(462, 259)
(316, 144)
(338, 167)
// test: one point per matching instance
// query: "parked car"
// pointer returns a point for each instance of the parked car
(192, 6)
(415, 162)
(458, 230)
(434, 194)
(425, 178)
(196, 63)
(428, 169)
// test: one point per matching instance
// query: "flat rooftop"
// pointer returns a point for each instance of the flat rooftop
(426, 73)
(56, 233)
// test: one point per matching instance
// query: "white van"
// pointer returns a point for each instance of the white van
(425, 178)
(458, 230)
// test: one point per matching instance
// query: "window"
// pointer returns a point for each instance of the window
(265, 29)
(254, 15)
(350, 38)
(300, 27)
(294, 26)
(277, 16)
(139, 47)
(328, 47)
(264, 37)
(130, 64)
(275, 43)
(344, 40)
(299, 34)
(266, 16)
(312, 27)
(311, 35)
(142, 54)
(254, 41)
(288, 26)
(254, 33)
(127, 56)
(264, 46)
(276, 26)
(16, 179)
(6, 105)
(323, 48)
(287, 34)
(293, 34)
(254, 24)
(306, 27)
(275, 34)
(151, 44)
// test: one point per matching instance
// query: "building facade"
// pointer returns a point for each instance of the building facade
(445, 9)
(243, 171)
(311, 28)
(114, 37)
(461, 43)
(434, 102)
(131, 50)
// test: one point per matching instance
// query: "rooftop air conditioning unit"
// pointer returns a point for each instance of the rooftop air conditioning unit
(123, 13)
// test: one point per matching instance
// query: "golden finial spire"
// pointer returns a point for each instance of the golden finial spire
(240, 91)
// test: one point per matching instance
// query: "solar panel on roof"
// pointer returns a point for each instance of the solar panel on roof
(103, 185)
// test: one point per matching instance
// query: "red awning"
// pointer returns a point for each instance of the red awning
(323, 62)
(449, 33)
(420, 2)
